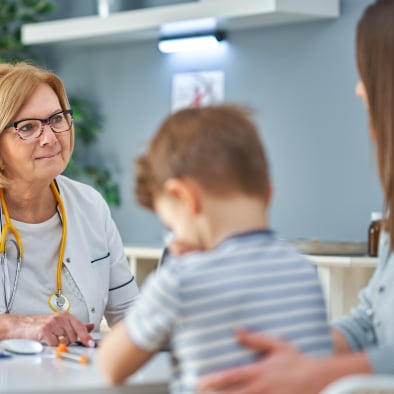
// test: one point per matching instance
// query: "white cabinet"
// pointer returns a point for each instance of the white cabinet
(147, 22)
(142, 261)
(342, 276)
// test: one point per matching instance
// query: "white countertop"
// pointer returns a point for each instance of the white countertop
(321, 260)
(44, 373)
(343, 261)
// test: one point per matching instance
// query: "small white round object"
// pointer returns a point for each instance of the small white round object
(22, 346)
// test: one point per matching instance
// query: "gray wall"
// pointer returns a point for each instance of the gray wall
(300, 79)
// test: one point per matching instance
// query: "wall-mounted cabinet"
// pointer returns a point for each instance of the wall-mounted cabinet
(147, 23)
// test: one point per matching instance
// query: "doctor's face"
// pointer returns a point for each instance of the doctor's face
(42, 158)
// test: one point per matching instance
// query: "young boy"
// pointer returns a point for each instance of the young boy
(206, 175)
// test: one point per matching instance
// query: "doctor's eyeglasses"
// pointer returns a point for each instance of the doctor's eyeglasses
(30, 129)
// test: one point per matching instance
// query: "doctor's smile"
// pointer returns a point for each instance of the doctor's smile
(49, 156)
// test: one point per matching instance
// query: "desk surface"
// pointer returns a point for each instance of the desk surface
(344, 261)
(44, 373)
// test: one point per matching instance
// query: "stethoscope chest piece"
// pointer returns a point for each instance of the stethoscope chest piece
(58, 302)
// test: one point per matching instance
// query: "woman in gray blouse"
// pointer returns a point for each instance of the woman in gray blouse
(365, 339)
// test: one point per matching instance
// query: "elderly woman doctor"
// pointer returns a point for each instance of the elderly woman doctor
(62, 262)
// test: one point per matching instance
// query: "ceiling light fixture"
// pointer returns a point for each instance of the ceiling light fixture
(196, 42)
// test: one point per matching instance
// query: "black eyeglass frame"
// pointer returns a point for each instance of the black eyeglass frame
(43, 123)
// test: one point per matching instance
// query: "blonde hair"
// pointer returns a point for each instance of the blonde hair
(17, 83)
(375, 60)
(218, 146)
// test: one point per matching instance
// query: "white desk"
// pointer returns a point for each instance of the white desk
(342, 276)
(44, 374)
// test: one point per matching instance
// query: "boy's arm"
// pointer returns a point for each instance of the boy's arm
(149, 324)
(118, 357)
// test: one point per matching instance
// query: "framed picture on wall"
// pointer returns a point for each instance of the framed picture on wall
(197, 89)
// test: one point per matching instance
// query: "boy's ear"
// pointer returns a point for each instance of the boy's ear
(185, 191)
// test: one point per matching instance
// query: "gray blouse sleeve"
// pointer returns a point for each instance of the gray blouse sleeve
(358, 328)
(370, 326)
(382, 359)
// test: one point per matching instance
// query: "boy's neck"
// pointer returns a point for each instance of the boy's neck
(222, 218)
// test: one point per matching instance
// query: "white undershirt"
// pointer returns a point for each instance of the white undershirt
(37, 278)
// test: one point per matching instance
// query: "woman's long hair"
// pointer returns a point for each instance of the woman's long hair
(375, 60)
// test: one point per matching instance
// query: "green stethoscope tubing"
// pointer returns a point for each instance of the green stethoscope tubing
(8, 226)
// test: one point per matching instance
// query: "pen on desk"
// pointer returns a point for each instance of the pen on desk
(63, 352)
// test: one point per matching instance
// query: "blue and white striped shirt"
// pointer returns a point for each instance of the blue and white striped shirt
(253, 281)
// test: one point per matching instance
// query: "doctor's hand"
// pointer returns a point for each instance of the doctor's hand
(53, 329)
(283, 370)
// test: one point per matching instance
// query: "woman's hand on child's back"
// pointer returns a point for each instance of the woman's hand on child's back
(283, 370)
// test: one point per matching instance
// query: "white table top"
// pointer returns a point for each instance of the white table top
(322, 260)
(44, 373)
(343, 261)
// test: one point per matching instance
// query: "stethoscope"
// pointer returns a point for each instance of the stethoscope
(57, 301)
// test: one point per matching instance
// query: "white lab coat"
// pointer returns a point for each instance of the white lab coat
(94, 256)
(94, 253)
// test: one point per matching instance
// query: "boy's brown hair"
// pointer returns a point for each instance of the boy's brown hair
(218, 146)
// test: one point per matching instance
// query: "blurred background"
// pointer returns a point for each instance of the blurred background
(299, 78)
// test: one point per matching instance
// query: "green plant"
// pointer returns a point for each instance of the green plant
(87, 122)
(13, 14)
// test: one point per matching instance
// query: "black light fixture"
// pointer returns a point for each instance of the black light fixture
(192, 42)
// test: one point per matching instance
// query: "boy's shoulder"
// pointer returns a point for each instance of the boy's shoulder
(262, 247)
